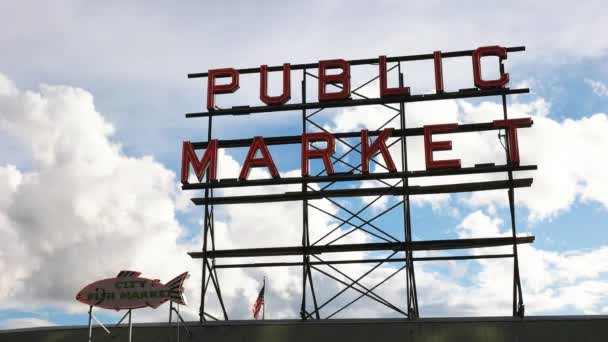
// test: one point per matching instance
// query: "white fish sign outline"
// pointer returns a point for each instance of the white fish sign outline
(129, 291)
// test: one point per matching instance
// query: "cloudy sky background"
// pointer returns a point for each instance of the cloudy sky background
(92, 98)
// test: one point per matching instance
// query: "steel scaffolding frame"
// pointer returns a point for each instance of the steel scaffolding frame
(402, 189)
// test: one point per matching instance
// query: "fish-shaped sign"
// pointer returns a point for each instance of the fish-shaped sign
(128, 291)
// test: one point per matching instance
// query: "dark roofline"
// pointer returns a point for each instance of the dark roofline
(339, 321)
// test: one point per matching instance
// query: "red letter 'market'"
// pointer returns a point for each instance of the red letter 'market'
(213, 88)
(379, 145)
(320, 153)
(511, 126)
(208, 162)
(446, 145)
(264, 161)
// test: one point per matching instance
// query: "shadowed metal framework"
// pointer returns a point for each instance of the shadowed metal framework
(322, 186)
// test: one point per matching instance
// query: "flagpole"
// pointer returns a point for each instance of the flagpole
(264, 302)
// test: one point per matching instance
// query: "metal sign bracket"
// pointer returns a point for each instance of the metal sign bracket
(92, 317)
(173, 309)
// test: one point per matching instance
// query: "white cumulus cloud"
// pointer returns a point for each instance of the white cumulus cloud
(84, 209)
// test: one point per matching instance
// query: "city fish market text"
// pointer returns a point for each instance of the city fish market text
(129, 291)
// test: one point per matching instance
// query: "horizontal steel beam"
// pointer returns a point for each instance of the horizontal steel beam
(461, 94)
(419, 57)
(297, 139)
(342, 177)
(378, 191)
(430, 245)
(363, 261)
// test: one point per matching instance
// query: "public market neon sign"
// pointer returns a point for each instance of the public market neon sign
(207, 164)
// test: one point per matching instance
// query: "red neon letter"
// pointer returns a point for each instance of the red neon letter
(264, 160)
(379, 145)
(320, 153)
(275, 100)
(438, 72)
(480, 83)
(213, 88)
(208, 162)
(342, 78)
(446, 145)
(385, 91)
(511, 126)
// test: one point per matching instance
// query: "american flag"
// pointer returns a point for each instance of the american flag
(259, 303)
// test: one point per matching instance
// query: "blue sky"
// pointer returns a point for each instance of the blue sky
(92, 103)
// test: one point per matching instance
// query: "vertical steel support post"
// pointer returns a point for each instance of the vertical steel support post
(171, 318)
(205, 233)
(177, 312)
(303, 313)
(412, 296)
(518, 301)
(305, 215)
(209, 234)
(90, 322)
(130, 326)
(306, 269)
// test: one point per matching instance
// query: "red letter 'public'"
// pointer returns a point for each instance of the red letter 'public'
(324, 154)
(213, 88)
(208, 162)
(480, 83)
(511, 126)
(285, 95)
(438, 72)
(342, 78)
(385, 91)
(379, 145)
(446, 145)
(264, 161)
